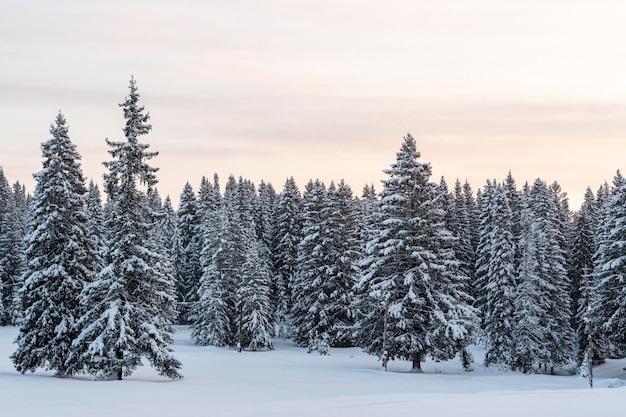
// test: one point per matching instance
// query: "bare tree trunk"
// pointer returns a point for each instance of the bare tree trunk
(417, 363)
(590, 351)
(119, 355)
(240, 344)
(385, 353)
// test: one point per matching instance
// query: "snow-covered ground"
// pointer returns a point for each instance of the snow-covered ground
(289, 382)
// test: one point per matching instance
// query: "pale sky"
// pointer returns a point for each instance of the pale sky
(323, 89)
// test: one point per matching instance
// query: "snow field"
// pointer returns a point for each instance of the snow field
(289, 382)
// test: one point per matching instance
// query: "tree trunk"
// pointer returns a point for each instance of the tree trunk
(417, 363)
(240, 344)
(385, 353)
(119, 355)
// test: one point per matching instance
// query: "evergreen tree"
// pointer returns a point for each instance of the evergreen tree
(346, 254)
(307, 312)
(609, 309)
(209, 199)
(60, 259)
(462, 230)
(583, 285)
(549, 207)
(412, 281)
(286, 237)
(326, 274)
(514, 198)
(471, 205)
(187, 264)
(263, 214)
(544, 282)
(131, 303)
(498, 279)
(6, 287)
(12, 252)
(233, 307)
(531, 305)
(213, 311)
(253, 297)
(167, 224)
(486, 213)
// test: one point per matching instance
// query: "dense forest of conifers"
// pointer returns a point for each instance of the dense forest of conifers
(416, 270)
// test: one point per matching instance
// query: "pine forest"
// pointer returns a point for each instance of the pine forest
(97, 276)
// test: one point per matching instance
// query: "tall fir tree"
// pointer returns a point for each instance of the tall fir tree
(583, 285)
(418, 308)
(346, 254)
(609, 308)
(167, 224)
(12, 248)
(310, 324)
(131, 303)
(498, 278)
(6, 287)
(286, 236)
(462, 230)
(214, 309)
(188, 246)
(256, 328)
(531, 305)
(328, 256)
(60, 259)
(96, 221)
(544, 281)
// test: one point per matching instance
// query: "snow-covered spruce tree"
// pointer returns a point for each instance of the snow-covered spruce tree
(187, 264)
(486, 223)
(286, 236)
(253, 298)
(566, 227)
(531, 305)
(233, 307)
(609, 309)
(498, 277)
(368, 219)
(5, 228)
(417, 307)
(595, 315)
(462, 230)
(543, 284)
(583, 284)
(251, 275)
(167, 224)
(368, 207)
(471, 204)
(208, 199)
(326, 274)
(60, 259)
(210, 233)
(347, 251)
(12, 252)
(513, 196)
(308, 296)
(96, 221)
(21, 215)
(263, 214)
(548, 208)
(130, 305)
(213, 311)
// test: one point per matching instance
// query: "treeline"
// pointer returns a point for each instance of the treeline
(417, 270)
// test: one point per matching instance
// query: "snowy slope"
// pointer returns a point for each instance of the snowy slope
(289, 382)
